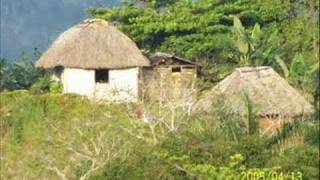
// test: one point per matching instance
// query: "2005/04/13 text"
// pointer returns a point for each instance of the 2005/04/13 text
(271, 175)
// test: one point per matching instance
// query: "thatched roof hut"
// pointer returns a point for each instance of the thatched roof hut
(95, 59)
(267, 90)
(93, 44)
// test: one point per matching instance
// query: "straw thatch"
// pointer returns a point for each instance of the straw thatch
(267, 91)
(93, 44)
(161, 58)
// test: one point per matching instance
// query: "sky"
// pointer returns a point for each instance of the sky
(29, 24)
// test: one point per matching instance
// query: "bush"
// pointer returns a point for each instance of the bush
(51, 135)
(42, 85)
(255, 150)
(46, 84)
(304, 159)
(56, 87)
(22, 74)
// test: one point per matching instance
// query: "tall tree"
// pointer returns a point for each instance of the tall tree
(201, 30)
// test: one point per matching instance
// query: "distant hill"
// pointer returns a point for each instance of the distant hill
(29, 24)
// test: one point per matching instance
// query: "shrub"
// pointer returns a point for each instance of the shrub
(56, 87)
(19, 75)
(42, 85)
(304, 159)
(255, 151)
(55, 135)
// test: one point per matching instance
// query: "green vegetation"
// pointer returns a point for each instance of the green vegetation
(66, 136)
(47, 135)
(21, 74)
(202, 30)
(221, 35)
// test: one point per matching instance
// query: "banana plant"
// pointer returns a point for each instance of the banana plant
(246, 42)
(256, 48)
(298, 67)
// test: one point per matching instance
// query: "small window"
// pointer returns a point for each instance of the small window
(176, 69)
(102, 76)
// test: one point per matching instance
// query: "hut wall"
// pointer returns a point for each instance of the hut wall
(122, 86)
(270, 125)
(161, 83)
(78, 81)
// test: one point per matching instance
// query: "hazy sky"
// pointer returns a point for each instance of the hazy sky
(29, 24)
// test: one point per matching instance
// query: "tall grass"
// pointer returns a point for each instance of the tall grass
(58, 136)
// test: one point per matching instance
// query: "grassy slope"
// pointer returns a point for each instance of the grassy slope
(53, 135)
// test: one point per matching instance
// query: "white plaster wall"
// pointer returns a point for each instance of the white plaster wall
(122, 86)
(78, 81)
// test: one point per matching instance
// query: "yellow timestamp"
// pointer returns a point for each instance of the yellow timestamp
(271, 175)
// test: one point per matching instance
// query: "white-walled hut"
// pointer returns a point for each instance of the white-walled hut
(95, 59)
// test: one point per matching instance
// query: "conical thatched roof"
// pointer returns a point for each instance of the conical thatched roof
(267, 91)
(93, 44)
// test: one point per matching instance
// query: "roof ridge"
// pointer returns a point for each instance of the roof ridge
(252, 69)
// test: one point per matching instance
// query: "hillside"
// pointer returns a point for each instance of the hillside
(58, 136)
(163, 89)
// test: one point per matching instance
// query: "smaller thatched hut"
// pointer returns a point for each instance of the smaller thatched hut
(272, 96)
(170, 77)
(95, 59)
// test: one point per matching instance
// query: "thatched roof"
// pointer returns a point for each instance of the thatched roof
(268, 92)
(169, 59)
(93, 44)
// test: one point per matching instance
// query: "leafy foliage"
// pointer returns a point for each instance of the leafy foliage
(65, 136)
(202, 30)
(48, 135)
(21, 74)
(298, 68)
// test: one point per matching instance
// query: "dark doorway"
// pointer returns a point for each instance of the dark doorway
(102, 76)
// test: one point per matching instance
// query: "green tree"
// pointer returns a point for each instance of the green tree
(202, 30)
(21, 74)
